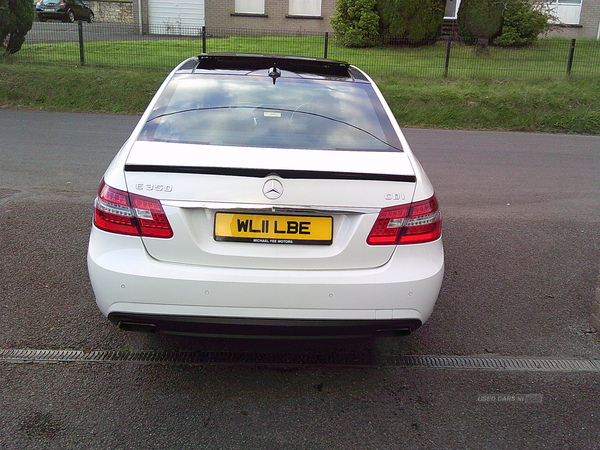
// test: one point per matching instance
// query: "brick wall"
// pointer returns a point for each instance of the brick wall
(112, 12)
(590, 18)
(588, 24)
(276, 17)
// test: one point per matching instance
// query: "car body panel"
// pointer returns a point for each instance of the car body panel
(126, 279)
(192, 200)
(193, 155)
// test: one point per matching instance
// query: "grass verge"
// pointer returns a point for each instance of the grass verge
(551, 105)
(79, 89)
(537, 105)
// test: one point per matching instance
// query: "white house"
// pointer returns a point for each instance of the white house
(576, 18)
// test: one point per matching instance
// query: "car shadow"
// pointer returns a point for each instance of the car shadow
(358, 351)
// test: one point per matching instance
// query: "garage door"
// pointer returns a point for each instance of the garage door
(179, 17)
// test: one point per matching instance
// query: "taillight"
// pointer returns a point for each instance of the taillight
(118, 212)
(407, 224)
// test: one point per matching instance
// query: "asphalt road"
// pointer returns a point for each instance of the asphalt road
(55, 31)
(521, 219)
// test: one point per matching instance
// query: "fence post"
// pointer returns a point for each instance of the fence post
(204, 39)
(326, 43)
(447, 57)
(81, 54)
(570, 61)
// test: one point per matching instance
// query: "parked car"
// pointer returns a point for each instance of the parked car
(64, 10)
(269, 195)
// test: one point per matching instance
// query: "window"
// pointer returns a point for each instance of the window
(451, 9)
(251, 111)
(305, 8)
(250, 6)
(566, 11)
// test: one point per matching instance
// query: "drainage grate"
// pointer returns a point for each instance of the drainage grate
(216, 358)
(502, 363)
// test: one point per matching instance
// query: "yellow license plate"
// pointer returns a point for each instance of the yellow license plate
(273, 229)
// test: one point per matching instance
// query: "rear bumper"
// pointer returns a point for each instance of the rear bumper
(141, 293)
(56, 15)
(242, 327)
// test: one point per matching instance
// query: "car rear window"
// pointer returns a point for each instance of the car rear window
(254, 111)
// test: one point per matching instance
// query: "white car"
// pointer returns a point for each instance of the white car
(266, 195)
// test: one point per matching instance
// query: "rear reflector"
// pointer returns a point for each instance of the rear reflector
(415, 223)
(119, 212)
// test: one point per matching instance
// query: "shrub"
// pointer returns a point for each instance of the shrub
(480, 19)
(16, 19)
(523, 23)
(412, 21)
(356, 22)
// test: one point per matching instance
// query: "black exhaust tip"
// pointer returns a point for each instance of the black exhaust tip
(391, 333)
(138, 327)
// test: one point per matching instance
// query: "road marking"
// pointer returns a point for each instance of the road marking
(264, 359)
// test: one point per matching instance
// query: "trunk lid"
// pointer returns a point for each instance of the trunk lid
(325, 202)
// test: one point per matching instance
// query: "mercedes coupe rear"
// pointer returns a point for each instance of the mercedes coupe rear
(266, 195)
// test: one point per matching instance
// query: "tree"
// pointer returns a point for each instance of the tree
(412, 21)
(356, 22)
(480, 20)
(16, 19)
(523, 22)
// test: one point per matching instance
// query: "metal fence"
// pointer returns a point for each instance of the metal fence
(121, 45)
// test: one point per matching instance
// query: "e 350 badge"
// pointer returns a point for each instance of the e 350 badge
(154, 187)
